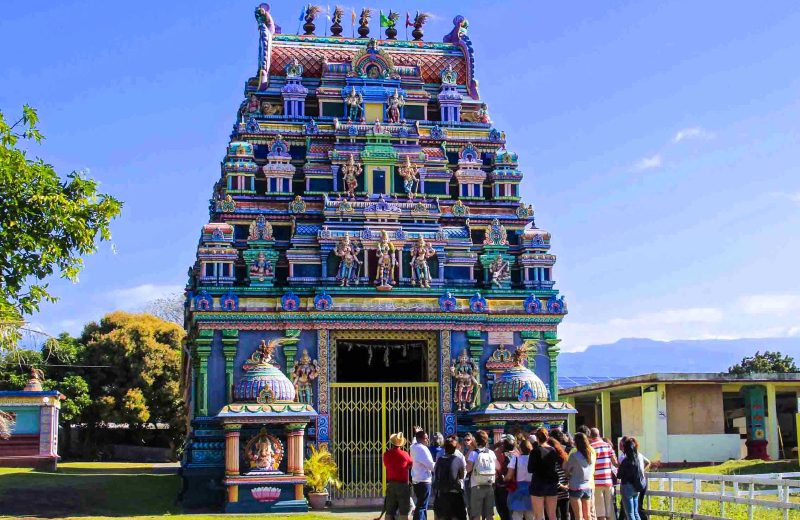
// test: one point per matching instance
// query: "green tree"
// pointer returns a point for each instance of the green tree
(768, 362)
(46, 224)
(142, 382)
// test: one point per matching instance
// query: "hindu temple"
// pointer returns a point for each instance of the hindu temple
(368, 265)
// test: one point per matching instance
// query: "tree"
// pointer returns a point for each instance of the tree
(768, 362)
(142, 382)
(47, 224)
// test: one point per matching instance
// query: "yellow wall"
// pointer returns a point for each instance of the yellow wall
(373, 111)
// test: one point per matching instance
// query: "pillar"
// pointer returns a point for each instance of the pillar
(605, 413)
(570, 417)
(290, 348)
(202, 350)
(654, 423)
(230, 343)
(552, 353)
(773, 443)
(475, 345)
(294, 456)
(232, 433)
(497, 433)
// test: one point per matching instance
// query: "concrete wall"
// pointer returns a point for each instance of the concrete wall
(703, 448)
(694, 409)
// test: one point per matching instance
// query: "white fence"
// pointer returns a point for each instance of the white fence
(708, 497)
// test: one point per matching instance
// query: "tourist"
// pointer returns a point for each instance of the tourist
(448, 483)
(397, 461)
(504, 450)
(481, 465)
(468, 445)
(421, 474)
(632, 478)
(580, 470)
(544, 486)
(645, 467)
(519, 501)
(436, 446)
(562, 438)
(603, 493)
(562, 506)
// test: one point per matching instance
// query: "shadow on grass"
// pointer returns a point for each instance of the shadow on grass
(81, 493)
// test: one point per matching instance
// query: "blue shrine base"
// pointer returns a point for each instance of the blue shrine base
(202, 487)
(268, 494)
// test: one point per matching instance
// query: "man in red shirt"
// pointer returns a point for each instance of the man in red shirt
(603, 495)
(398, 493)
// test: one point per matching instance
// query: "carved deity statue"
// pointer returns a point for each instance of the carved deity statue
(393, 105)
(482, 114)
(354, 100)
(338, 12)
(350, 173)
(349, 265)
(384, 277)
(500, 271)
(260, 229)
(264, 452)
(261, 268)
(410, 176)
(467, 389)
(304, 372)
(253, 105)
(420, 253)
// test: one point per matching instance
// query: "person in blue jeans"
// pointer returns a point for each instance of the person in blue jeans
(631, 478)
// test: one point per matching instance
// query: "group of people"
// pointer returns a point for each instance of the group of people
(546, 475)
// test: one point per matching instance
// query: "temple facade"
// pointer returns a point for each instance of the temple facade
(368, 265)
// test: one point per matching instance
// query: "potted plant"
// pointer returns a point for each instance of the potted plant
(321, 471)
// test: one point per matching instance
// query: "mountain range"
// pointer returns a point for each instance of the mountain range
(633, 356)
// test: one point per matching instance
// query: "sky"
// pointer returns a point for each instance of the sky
(659, 142)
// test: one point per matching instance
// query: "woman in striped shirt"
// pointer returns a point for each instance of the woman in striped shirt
(562, 507)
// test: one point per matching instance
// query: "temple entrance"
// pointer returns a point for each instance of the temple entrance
(385, 382)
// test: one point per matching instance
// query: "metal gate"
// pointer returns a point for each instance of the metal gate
(363, 415)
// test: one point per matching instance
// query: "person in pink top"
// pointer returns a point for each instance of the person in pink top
(603, 495)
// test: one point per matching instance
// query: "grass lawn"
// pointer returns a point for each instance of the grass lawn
(94, 490)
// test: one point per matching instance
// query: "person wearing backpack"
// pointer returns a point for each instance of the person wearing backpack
(448, 484)
(503, 450)
(482, 465)
(632, 479)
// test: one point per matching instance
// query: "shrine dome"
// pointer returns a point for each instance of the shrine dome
(519, 383)
(240, 149)
(264, 383)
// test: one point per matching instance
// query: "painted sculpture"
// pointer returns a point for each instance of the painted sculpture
(420, 272)
(305, 371)
(393, 105)
(261, 268)
(500, 271)
(349, 264)
(410, 175)
(385, 252)
(354, 101)
(350, 173)
(466, 393)
(264, 452)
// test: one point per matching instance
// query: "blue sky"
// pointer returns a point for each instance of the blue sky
(659, 143)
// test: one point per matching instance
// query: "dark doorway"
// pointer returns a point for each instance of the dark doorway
(380, 361)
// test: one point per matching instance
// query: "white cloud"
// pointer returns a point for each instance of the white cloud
(696, 132)
(135, 298)
(665, 325)
(648, 163)
(788, 195)
(776, 304)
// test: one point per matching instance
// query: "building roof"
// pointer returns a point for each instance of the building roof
(599, 383)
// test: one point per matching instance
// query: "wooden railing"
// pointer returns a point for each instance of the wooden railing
(721, 497)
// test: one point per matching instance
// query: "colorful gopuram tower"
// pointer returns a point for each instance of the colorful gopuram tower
(367, 240)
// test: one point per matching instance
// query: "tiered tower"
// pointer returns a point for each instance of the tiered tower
(369, 217)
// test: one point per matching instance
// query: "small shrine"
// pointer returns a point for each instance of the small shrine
(266, 473)
(29, 425)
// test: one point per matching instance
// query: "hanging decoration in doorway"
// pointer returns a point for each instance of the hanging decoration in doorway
(387, 348)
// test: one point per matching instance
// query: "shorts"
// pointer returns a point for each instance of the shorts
(398, 499)
(581, 494)
(540, 488)
(481, 501)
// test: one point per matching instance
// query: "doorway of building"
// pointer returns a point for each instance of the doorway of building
(382, 385)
